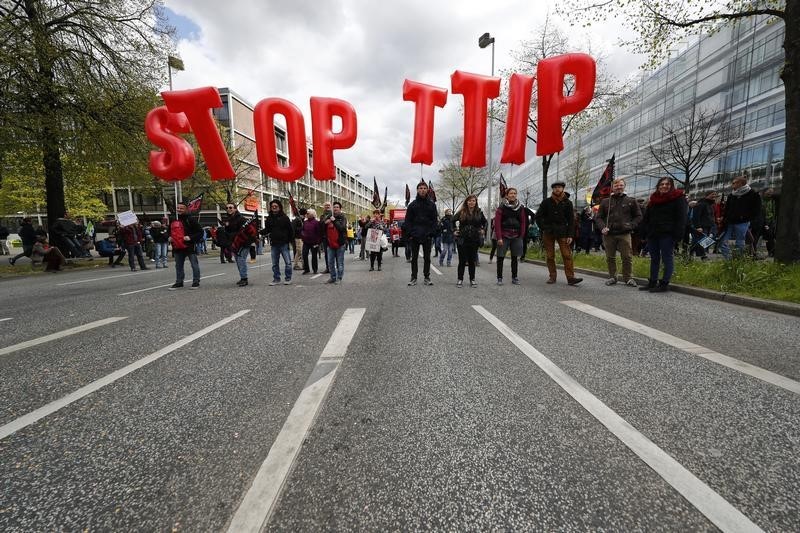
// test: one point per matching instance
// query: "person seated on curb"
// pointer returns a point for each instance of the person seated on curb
(50, 256)
(109, 247)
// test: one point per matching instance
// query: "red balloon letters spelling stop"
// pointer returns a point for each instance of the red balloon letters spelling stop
(190, 110)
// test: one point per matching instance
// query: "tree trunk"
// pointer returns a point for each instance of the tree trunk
(787, 240)
(49, 139)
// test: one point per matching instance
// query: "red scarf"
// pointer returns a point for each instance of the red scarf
(657, 198)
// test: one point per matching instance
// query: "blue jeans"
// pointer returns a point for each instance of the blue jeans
(180, 258)
(737, 232)
(336, 262)
(447, 249)
(661, 248)
(241, 261)
(278, 251)
(160, 249)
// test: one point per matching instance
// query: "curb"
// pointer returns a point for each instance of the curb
(786, 308)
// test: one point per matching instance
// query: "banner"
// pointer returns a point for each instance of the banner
(373, 243)
(126, 218)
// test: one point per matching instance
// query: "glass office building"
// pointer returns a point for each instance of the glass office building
(735, 72)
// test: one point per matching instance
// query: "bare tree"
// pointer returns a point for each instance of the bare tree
(459, 182)
(576, 171)
(549, 40)
(688, 143)
(654, 24)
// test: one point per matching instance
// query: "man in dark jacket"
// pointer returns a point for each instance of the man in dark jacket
(185, 233)
(233, 224)
(556, 220)
(446, 234)
(618, 216)
(64, 233)
(742, 208)
(701, 220)
(109, 247)
(419, 229)
(280, 231)
(28, 236)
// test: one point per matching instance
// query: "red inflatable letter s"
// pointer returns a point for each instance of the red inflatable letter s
(176, 162)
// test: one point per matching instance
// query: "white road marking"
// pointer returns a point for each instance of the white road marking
(4, 319)
(148, 271)
(721, 513)
(255, 509)
(60, 334)
(315, 276)
(52, 407)
(168, 285)
(432, 267)
(689, 347)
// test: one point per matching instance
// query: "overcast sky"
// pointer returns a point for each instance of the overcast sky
(361, 51)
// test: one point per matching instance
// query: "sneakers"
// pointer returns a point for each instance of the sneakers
(242, 282)
(176, 286)
(11, 261)
(371, 269)
(287, 282)
(515, 281)
(330, 281)
(274, 282)
(195, 285)
(472, 284)
(499, 281)
(631, 283)
(412, 282)
(650, 285)
(427, 281)
(460, 283)
(611, 281)
(661, 287)
(550, 281)
(574, 281)
(379, 269)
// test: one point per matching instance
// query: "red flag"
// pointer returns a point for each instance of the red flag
(503, 186)
(603, 187)
(295, 212)
(408, 195)
(431, 192)
(247, 234)
(195, 204)
(376, 195)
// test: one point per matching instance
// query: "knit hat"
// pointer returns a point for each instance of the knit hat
(557, 184)
(155, 224)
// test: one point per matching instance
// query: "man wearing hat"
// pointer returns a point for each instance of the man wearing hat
(419, 228)
(556, 219)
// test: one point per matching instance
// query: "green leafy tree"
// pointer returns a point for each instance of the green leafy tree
(75, 79)
(652, 25)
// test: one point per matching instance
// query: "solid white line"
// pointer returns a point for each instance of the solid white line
(315, 276)
(52, 407)
(148, 271)
(721, 513)
(432, 267)
(255, 509)
(4, 319)
(689, 347)
(168, 285)
(61, 334)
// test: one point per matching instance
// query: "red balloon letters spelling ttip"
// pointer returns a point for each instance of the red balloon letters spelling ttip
(478, 90)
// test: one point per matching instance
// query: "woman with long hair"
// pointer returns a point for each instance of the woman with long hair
(664, 222)
(470, 227)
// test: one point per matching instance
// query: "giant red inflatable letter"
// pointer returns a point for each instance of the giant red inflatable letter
(325, 141)
(176, 162)
(519, 105)
(477, 90)
(426, 98)
(264, 122)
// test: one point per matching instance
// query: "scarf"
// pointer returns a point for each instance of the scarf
(515, 206)
(657, 198)
(741, 191)
(559, 198)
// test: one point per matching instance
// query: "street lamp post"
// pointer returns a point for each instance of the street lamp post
(177, 64)
(484, 41)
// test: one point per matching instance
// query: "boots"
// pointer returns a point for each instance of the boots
(242, 282)
(663, 286)
(651, 284)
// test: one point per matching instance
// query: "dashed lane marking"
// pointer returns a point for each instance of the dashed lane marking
(148, 271)
(60, 334)
(689, 347)
(716, 508)
(169, 284)
(52, 407)
(258, 503)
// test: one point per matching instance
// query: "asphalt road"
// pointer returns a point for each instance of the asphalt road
(376, 406)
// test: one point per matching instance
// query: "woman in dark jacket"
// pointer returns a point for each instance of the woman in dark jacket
(470, 228)
(664, 222)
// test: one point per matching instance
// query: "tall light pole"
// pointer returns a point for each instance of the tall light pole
(484, 41)
(177, 64)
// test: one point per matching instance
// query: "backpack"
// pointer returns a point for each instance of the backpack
(333, 236)
(177, 233)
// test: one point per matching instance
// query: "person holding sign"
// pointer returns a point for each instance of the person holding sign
(376, 228)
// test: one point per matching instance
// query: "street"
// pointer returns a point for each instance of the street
(376, 406)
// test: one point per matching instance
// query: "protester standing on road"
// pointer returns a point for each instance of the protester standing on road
(446, 236)
(419, 227)
(378, 224)
(132, 237)
(664, 221)
(509, 225)
(297, 247)
(233, 224)
(327, 212)
(185, 233)
(394, 236)
(618, 216)
(160, 236)
(742, 208)
(336, 236)
(280, 231)
(312, 237)
(28, 237)
(470, 227)
(555, 217)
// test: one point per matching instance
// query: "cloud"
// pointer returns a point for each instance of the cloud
(360, 51)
